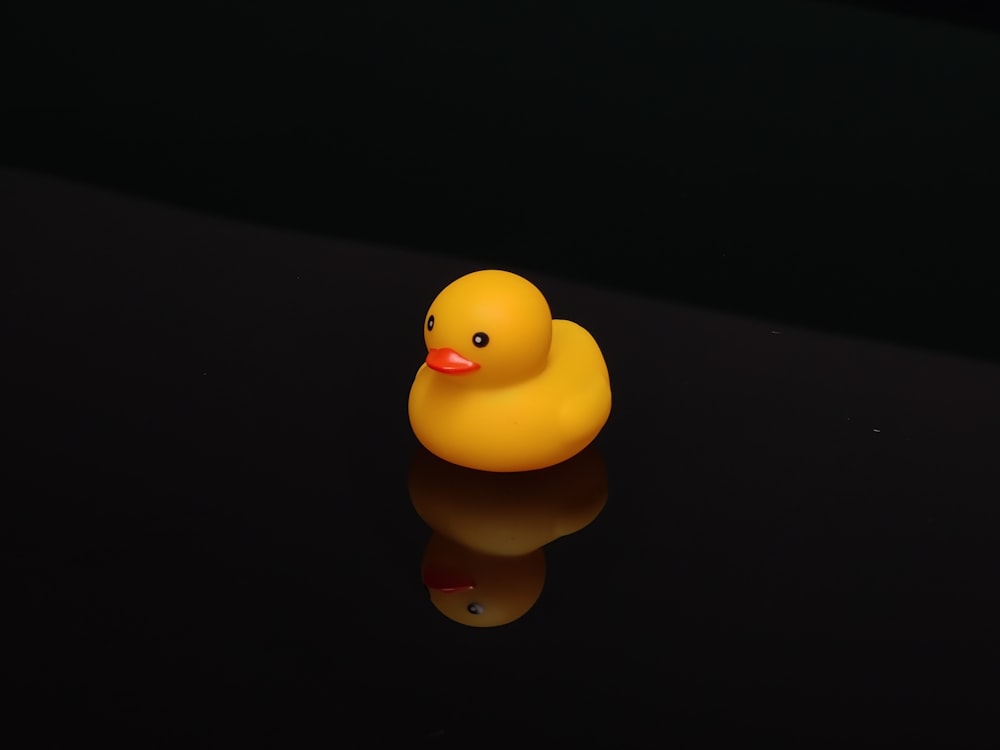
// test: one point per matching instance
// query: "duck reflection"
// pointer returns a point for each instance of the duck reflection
(484, 565)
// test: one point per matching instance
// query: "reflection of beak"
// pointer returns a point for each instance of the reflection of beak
(448, 581)
(449, 361)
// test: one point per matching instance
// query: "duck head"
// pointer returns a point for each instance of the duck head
(488, 328)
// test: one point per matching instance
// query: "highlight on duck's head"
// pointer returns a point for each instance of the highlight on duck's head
(488, 327)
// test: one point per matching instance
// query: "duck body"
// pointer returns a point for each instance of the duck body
(538, 397)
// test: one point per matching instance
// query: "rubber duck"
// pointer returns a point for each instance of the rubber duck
(504, 387)
(484, 564)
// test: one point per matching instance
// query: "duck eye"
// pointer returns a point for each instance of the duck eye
(430, 323)
(475, 608)
(480, 339)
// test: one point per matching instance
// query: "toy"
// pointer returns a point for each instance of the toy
(505, 387)
(484, 564)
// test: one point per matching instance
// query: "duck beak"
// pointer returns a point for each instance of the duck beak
(449, 361)
(448, 581)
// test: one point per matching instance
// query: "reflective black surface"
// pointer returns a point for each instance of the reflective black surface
(210, 520)
(484, 565)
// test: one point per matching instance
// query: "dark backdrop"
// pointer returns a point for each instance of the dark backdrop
(827, 164)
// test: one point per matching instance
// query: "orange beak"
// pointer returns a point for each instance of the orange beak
(449, 362)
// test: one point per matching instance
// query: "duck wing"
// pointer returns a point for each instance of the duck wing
(586, 393)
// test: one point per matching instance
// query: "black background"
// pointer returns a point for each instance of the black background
(830, 164)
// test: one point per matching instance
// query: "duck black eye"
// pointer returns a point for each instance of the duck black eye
(430, 323)
(480, 339)
(475, 608)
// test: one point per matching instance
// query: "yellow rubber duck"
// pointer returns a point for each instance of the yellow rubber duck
(504, 386)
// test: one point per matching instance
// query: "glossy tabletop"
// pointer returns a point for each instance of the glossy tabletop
(219, 519)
